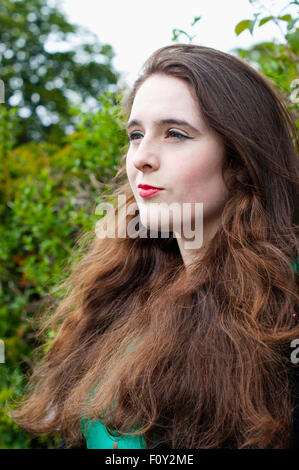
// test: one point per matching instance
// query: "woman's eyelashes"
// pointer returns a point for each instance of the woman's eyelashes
(170, 133)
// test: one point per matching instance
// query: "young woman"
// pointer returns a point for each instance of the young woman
(162, 341)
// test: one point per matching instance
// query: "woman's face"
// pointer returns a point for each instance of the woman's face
(188, 168)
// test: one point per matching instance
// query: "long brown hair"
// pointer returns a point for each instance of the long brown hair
(209, 366)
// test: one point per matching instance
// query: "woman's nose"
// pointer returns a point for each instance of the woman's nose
(146, 155)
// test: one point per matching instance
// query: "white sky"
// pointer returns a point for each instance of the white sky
(136, 28)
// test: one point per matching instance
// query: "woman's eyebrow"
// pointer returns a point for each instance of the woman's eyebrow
(166, 121)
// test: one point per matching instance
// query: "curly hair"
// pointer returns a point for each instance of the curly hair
(211, 357)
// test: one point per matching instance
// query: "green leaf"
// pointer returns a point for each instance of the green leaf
(285, 18)
(241, 26)
(293, 39)
(174, 34)
(292, 23)
(196, 19)
(265, 20)
(251, 25)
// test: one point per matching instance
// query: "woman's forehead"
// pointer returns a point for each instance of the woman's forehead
(164, 96)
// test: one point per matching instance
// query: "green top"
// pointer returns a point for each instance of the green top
(97, 436)
(295, 265)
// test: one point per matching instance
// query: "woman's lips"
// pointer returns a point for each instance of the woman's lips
(148, 192)
(145, 190)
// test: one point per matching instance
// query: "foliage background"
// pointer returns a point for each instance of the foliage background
(51, 181)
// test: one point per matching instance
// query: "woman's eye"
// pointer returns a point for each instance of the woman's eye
(170, 133)
(177, 134)
(133, 135)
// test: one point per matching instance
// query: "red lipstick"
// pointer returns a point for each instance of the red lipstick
(145, 190)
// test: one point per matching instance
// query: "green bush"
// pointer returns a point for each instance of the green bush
(48, 198)
(278, 60)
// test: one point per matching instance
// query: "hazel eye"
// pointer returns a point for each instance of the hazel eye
(177, 134)
(133, 135)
